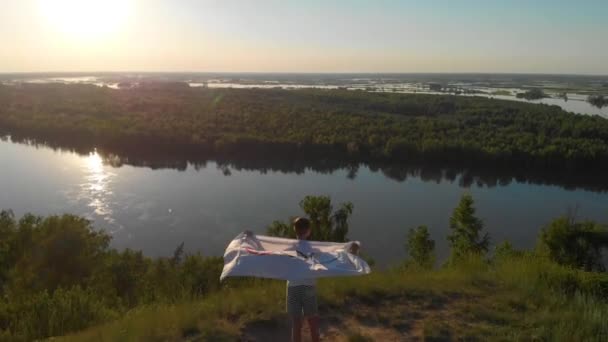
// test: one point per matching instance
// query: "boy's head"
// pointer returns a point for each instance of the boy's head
(301, 225)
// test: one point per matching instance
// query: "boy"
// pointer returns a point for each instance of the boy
(302, 293)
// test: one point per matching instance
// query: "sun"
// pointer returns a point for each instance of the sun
(88, 19)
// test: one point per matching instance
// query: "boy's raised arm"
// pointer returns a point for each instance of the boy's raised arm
(353, 248)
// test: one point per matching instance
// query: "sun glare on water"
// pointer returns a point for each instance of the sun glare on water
(88, 19)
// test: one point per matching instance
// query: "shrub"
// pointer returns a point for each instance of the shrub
(326, 224)
(505, 250)
(575, 244)
(58, 251)
(44, 314)
(420, 247)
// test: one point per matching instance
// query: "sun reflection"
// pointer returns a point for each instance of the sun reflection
(96, 188)
(96, 176)
(94, 162)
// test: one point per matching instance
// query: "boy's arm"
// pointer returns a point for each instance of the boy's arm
(353, 248)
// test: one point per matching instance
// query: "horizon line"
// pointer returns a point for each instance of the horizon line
(306, 73)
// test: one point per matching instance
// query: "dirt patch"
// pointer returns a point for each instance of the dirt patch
(400, 318)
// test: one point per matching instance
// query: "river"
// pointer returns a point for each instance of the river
(205, 205)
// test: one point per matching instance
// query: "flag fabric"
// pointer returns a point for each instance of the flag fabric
(250, 255)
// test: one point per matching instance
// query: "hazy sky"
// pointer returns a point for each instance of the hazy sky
(539, 36)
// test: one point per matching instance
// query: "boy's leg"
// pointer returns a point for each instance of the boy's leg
(311, 312)
(296, 328)
(313, 324)
(294, 309)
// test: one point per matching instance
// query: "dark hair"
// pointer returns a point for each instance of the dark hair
(301, 225)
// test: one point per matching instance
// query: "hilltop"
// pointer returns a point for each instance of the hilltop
(60, 278)
(515, 299)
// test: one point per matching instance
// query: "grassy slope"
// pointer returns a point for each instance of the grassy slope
(517, 299)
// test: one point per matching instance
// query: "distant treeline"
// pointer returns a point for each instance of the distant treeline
(354, 126)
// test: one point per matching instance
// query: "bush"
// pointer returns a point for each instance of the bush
(326, 224)
(505, 250)
(575, 244)
(420, 247)
(58, 275)
(47, 314)
(58, 251)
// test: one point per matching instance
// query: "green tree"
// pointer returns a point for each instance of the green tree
(327, 224)
(598, 100)
(466, 229)
(282, 229)
(420, 247)
(576, 244)
(64, 251)
(532, 94)
(58, 274)
(505, 250)
(7, 233)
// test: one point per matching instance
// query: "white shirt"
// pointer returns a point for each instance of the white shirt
(304, 250)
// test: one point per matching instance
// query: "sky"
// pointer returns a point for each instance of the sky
(523, 36)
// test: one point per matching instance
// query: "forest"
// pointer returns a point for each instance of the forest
(349, 125)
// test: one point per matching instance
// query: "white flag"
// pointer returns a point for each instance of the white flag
(261, 256)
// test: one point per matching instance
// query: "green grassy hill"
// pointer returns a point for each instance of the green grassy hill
(519, 298)
(60, 279)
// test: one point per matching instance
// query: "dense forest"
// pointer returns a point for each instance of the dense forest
(59, 275)
(355, 125)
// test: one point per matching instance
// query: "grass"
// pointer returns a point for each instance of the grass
(502, 92)
(518, 299)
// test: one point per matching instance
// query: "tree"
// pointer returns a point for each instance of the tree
(282, 229)
(7, 233)
(466, 230)
(326, 224)
(575, 244)
(597, 100)
(532, 94)
(420, 247)
(505, 250)
(435, 87)
(178, 255)
(64, 251)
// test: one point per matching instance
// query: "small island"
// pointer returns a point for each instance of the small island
(532, 94)
(598, 101)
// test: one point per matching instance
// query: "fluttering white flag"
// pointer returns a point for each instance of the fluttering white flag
(250, 255)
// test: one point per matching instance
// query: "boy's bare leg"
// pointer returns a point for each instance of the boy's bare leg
(313, 324)
(296, 328)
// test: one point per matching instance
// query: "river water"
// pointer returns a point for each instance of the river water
(207, 205)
